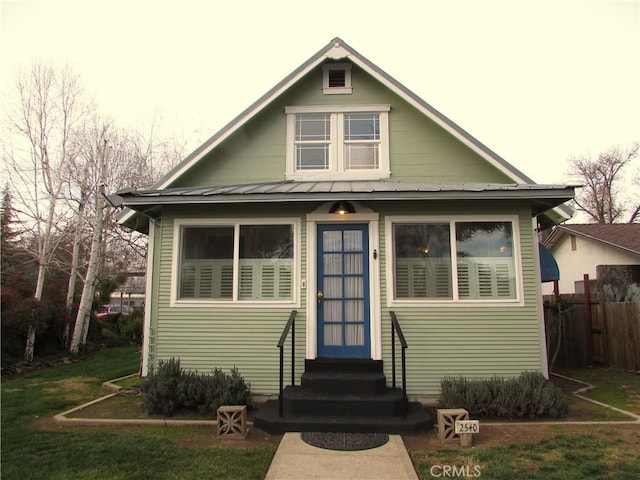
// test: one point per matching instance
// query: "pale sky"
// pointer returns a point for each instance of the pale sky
(537, 82)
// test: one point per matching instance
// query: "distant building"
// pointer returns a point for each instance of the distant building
(131, 293)
(587, 248)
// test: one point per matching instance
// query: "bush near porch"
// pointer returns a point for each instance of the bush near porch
(169, 388)
(528, 396)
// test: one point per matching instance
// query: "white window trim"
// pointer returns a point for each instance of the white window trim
(454, 302)
(336, 169)
(179, 223)
(326, 89)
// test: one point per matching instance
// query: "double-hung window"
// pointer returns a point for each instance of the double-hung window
(453, 260)
(338, 142)
(235, 262)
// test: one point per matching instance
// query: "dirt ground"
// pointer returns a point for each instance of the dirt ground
(490, 435)
(497, 435)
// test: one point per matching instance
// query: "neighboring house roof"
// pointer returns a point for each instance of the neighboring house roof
(623, 236)
(133, 284)
(337, 49)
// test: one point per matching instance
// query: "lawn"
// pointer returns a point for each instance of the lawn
(559, 457)
(555, 452)
(613, 387)
(34, 447)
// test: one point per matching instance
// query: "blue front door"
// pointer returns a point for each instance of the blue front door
(343, 291)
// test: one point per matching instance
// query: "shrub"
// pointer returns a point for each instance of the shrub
(529, 395)
(161, 388)
(131, 326)
(171, 388)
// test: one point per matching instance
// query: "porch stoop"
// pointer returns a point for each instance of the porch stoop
(343, 395)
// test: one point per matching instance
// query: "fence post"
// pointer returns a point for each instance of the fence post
(587, 318)
(605, 329)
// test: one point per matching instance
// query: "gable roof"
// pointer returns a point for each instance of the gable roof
(623, 236)
(338, 49)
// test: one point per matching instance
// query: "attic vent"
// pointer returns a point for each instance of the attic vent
(336, 78)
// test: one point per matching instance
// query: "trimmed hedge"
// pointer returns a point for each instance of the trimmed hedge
(170, 388)
(529, 395)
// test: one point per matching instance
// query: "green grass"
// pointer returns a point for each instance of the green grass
(33, 447)
(613, 387)
(559, 458)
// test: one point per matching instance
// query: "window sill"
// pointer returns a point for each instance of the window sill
(200, 303)
(455, 303)
(337, 91)
(357, 175)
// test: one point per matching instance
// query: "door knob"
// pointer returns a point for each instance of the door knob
(320, 296)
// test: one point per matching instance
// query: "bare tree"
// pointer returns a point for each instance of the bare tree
(95, 155)
(112, 165)
(46, 112)
(601, 199)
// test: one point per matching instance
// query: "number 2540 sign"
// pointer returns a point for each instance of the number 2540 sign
(467, 426)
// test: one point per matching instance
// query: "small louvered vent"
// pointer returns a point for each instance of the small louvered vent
(337, 78)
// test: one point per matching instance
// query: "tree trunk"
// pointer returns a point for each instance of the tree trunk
(44, 258)
(71, 287)
(88, 291)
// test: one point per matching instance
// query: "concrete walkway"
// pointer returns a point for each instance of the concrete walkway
(296, 460)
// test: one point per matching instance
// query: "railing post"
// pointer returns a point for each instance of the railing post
(293, 351)
(395, 329)
(404, 382)
(393, 353)
(291, 323)
(280, 397)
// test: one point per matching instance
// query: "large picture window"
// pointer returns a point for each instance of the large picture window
(239, 262)
(346, 142)
(454, 260)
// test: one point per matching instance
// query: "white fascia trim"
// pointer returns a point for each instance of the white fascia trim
(149, 298)
(452, 219)
(437, 120)
(235, 303)
(241, 121)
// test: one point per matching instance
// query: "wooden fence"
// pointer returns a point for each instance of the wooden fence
(592, 331)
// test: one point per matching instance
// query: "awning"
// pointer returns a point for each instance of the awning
(549, 270)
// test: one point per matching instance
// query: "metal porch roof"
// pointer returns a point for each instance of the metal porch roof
(544, 197)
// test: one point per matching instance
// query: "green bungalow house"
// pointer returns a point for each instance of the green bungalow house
(342, 200)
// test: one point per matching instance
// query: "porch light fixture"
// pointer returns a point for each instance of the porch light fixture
(342, 208)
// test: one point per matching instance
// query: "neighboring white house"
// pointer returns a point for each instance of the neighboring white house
(580, 249)
(131, 293)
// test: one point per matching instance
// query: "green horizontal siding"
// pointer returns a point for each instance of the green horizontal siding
(452, 340)
(419, 148)
(208, 337)
(478, 341)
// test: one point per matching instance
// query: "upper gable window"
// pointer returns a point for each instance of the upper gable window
(336, 78)
(338, 142)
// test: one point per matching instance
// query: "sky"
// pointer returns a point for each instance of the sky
(537, 82)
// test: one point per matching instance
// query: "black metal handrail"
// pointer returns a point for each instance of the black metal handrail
(395, 329)
(291, 325)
